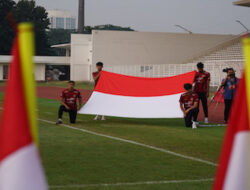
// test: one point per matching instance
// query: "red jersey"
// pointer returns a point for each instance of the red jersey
(189, 100)
(201, 80)
(94, 74)
(70, 98)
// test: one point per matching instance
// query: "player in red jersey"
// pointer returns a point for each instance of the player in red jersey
(189, 106)
(96, 75)
(202, 83)
(69, 98)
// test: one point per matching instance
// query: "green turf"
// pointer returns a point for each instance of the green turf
(79, 85)
(182, 186)
(64, 84)
(73, 157)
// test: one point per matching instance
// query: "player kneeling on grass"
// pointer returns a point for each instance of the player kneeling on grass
(68, 100)
(189, 106)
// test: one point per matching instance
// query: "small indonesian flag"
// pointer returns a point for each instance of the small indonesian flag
(20, 164)
(233, 170)
(136, 97)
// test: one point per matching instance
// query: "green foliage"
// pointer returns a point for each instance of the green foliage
(88, 29)
(6, 31)
(59, 36)
(24, 11)
(27, 11)
(62, 36)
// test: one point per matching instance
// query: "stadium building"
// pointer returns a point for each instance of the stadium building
(61, 19)
(153, 54)
(145, 54)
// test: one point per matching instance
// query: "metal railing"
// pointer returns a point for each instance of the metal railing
(164, 70)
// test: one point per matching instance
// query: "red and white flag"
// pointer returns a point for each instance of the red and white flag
(233, 170)
(137, 97)
(20, 163)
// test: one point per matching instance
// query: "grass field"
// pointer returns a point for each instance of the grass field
(87, 156)
(79, 85)
(75, 159)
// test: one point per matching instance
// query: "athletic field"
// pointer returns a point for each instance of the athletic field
(126, 154)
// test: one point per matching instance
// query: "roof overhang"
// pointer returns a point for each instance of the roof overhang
(45, 60)
(245, 3)
(61, 46)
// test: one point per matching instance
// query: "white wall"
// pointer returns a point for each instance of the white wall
(40, 72)
(147, 48)
(40, 64)
(81, 57)
(1, 72)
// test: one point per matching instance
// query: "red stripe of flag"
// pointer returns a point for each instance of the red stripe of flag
(116, 84)
(14, 130)
(238, 123)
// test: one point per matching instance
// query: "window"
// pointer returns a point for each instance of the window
(5, 72)
(73, 23)
(51, 22)
(68, 23)
(59, 22)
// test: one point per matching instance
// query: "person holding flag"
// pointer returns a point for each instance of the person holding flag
(96, 76)
(201, 87)
(189, 106)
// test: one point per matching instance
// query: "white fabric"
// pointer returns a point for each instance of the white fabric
(134, 107)
(22, 170)
(237, 177)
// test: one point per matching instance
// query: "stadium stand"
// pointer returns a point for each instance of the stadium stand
(227, 54)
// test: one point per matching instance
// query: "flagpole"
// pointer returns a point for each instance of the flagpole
(26, 46)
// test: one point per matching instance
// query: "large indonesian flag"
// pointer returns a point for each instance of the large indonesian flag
(136, 97)
(20, 164)
(233, 170)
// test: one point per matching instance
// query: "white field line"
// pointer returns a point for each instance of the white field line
(137, 143)
(49, 113)
(215, 125)
(130, 184)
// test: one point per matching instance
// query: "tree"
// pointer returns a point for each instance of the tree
(27, 11)
(59, 36)
(23, 11)
(6, 31)
(62, 36)
(88, 29)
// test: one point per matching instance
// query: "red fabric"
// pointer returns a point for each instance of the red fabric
(238, 122)
(14, 129)
(70, 98)
(218, 96)
(116, 84)
(201, 80)
(189, 100)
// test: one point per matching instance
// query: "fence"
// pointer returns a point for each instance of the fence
(214, 67)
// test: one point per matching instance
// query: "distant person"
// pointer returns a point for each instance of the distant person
(202, 83)
(69, 98)
(189, 106)
(229, 84)
(96, 76)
